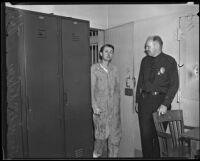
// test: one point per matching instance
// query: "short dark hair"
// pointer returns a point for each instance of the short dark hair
(158, 39)
(155, 38)
(106, 45)
(102, 48)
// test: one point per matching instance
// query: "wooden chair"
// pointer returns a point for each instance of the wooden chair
(171, 144)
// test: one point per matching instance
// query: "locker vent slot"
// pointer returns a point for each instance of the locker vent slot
(75, 37)
(41, 33)
(79, 153)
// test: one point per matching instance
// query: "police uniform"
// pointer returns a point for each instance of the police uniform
(157, 84)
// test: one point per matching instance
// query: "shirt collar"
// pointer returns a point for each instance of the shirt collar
(158, 56)
(110, 68)
(106, 70)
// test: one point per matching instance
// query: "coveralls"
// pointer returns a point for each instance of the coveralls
(105, 93)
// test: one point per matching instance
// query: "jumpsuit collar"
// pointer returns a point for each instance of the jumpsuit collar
(106, 70)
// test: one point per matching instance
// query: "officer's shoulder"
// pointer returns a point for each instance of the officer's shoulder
(170, 58)
(146, 58)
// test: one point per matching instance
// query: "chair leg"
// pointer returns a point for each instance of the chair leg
(197, 155)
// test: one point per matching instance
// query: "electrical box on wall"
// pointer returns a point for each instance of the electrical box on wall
(128, 91)
(129, 83)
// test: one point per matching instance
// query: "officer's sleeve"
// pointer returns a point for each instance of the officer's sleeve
(93, 82)
(174, 84)
(140, 81)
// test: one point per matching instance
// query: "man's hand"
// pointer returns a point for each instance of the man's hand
(162, 110)
(97, 111)
(136, 107)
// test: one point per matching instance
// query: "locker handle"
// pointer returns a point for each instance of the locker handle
(65, 98)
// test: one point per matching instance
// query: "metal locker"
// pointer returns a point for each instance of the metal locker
(76, 81)
(48, 63)
(44, 113)
(39, 111)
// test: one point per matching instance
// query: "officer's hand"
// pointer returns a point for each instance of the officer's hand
(162, 110)
(97, 111)
(136, 107)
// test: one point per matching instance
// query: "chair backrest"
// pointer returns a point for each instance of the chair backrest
(174, 119)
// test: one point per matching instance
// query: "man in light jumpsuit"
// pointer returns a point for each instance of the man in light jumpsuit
(105, 93)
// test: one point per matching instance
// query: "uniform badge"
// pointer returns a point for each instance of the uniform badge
(162, 70)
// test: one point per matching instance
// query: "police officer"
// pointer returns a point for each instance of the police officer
(157, 85)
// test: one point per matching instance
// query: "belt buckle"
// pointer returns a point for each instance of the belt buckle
(143, 95)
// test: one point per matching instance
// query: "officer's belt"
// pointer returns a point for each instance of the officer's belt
(153, 93)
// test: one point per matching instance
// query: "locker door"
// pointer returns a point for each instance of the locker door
(76, 80)
(44, 121)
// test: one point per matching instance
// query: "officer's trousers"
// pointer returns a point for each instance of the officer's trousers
(148, 104)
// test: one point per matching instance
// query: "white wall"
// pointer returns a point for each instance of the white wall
(189, 49)
(121, 14)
